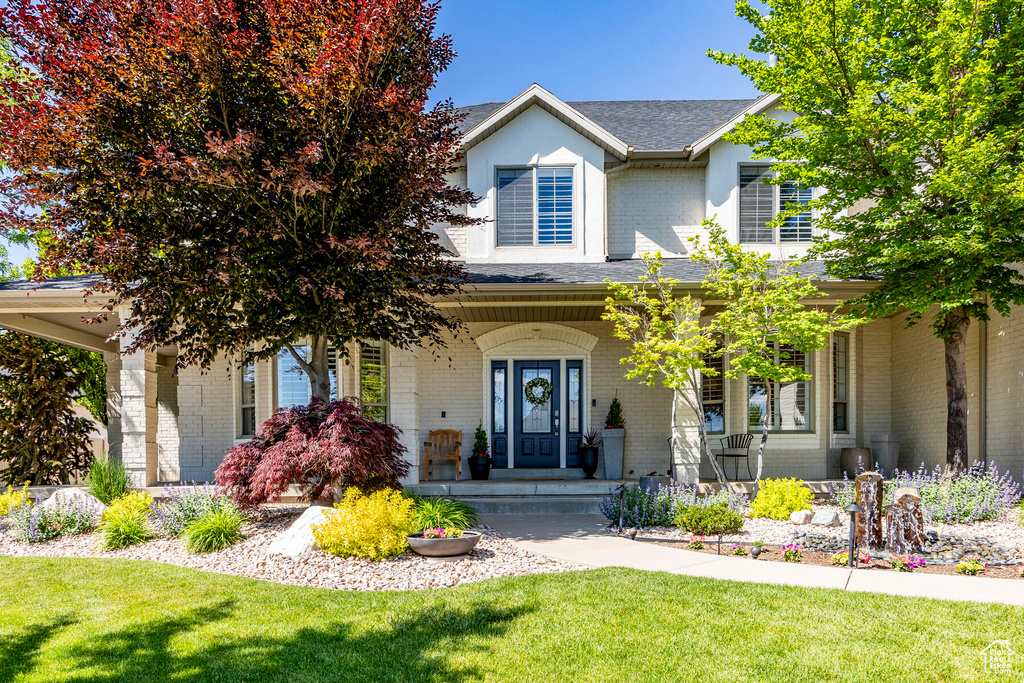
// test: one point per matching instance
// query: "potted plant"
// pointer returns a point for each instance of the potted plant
(613, 436)
(480, 461)
(588, 452)
(439, 542)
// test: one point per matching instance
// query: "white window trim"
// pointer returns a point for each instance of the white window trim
(776, 201)
(534, 168)
(386, 361)
(810, 400)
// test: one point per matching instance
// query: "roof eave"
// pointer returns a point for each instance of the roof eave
(760, 105)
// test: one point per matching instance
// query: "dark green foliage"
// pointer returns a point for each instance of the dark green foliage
(709, 521)
(41, 438)
(217, 530)
(480, 445)
(444, 513)
(107, 479)
(614, 417)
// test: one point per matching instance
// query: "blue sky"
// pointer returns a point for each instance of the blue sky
(587, 50)
(592, 49)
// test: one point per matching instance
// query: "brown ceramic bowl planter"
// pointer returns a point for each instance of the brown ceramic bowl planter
(443, 547)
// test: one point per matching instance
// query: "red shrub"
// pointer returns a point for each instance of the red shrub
(318, 447)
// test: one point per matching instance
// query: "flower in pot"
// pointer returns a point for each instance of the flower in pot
(480, 460)
(589, 442)
(438, 542)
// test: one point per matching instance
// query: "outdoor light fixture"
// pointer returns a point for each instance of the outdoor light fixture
(755, 552)
(853, 509)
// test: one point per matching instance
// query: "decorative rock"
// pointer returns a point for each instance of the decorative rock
(801, 517)
(74, 497)
(904, 522)
(298, 538)
(869, 497)
(827, 518)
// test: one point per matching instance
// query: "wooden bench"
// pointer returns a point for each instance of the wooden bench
(444, 444)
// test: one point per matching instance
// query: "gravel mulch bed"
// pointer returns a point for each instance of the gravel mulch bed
(493, 557)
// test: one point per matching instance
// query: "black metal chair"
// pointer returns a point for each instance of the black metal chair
(736, 446)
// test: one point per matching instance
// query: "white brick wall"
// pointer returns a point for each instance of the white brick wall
(453, 238)
(167, 423)
(206, 420)
(654, 209)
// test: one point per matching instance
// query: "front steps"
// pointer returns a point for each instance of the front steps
(565, 497)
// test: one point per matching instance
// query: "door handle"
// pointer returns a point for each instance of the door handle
(556, 425)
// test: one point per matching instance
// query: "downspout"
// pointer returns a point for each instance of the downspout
(983, 388)
(613, 169)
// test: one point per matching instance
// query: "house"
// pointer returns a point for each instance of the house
(572, 194)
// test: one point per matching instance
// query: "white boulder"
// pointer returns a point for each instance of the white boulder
(801, 517)
(298, 538)
(75, 497)
(827, 518)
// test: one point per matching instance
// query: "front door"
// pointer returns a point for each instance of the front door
(536, 421)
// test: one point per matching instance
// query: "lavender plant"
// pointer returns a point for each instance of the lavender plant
(37, 524)
(185, 504)
(976, 495)
(645, 509)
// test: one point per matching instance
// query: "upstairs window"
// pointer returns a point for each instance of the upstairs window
(535, 207)
(760, 203)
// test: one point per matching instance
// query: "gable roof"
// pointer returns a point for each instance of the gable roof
(643, 125)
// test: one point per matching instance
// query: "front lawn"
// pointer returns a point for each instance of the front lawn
(119, 620)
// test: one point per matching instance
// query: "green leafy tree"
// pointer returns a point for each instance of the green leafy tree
(42, 440)
(909, 116)
(667, 343)
(766, 321)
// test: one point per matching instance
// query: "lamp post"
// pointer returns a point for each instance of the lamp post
(853, 509)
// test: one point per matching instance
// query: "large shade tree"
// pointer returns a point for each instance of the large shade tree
(910, 115)
(245, 175)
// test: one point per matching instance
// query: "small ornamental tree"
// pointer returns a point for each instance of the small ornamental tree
(614, 419)
(244, 175)
(765, 320)
(908, 114)
(480, 446)
(667, 344)
(42, 440)
(323, 447)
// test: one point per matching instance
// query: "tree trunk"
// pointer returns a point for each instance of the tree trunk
(316, 367)
(954, 336)
(698, 408)
(768, 414)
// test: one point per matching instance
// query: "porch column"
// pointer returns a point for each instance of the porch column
(404, 406)
(139, 416)
(113, 361)
(686, 451)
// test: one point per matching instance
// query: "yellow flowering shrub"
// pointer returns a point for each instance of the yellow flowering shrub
(135, 503)
(370, 526)
(11, 499)
(779, 498)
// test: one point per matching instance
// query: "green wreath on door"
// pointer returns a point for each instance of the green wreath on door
(538, 391)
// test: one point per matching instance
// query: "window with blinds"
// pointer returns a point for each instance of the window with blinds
(535, 207)
(796, 228)
(757, 204)
(515, 207)
(554, 206)
(373, 380)
(713, 394)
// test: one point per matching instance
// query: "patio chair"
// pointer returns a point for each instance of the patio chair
(736, 446)
(444, 444)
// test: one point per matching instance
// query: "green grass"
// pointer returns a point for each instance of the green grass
(115, 620)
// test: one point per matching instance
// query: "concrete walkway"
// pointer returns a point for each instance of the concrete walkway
(584, 539)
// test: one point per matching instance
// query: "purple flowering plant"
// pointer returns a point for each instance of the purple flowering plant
(645, 509)
(36, 524)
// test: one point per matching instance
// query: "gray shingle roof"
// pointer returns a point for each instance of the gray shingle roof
(627, 270)
(643, 124)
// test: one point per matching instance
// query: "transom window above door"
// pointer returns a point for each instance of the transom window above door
(535, 207)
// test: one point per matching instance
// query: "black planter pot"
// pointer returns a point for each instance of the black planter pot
(479, 468)
(588, 460)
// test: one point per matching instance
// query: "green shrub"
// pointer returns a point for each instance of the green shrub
(126, 521)
(779, 498)
(370, 526)
(107, 480)
(709, 521)
(216, 530)
(37, 524)
(443, 513)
